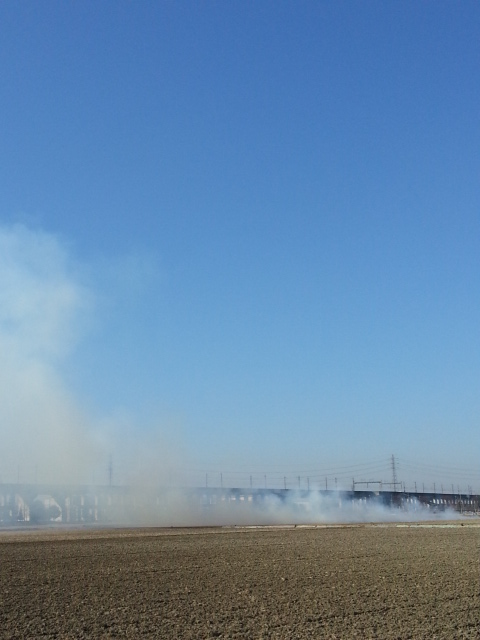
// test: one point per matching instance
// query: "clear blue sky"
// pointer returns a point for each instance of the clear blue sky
(255, 230)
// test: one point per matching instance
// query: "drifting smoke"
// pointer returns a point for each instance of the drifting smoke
(172, 508)
(46, 437)
(42, 308)
(45, 312)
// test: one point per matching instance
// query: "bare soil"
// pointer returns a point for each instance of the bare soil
(363, 582)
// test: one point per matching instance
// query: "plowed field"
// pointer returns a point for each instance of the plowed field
(294, 583)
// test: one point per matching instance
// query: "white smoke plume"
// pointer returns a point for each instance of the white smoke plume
(177, 507)
(46, 310)
(43, 307)
(46, 437)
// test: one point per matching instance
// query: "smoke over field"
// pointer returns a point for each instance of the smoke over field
(43, 307)
(192, 507)
(50, 433)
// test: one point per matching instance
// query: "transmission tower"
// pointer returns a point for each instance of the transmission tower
(394, 473)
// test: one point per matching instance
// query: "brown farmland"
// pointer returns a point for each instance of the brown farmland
(331, 582)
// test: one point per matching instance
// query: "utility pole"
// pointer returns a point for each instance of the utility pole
(285, 482)
(308, 483)
(221, 480)
(110, 470)
(265, 478)
(326, 483)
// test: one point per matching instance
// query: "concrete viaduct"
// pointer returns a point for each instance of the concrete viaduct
(27, 504)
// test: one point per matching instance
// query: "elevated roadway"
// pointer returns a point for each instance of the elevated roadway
(75, 504)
